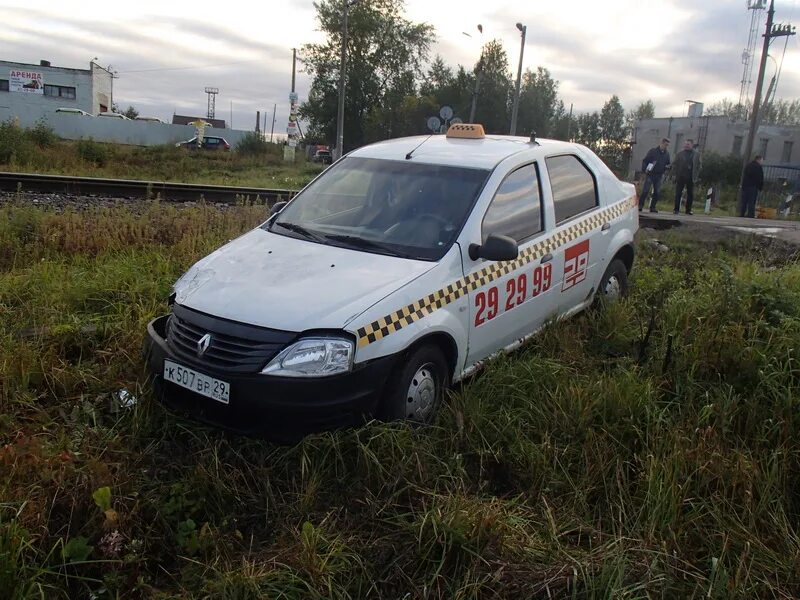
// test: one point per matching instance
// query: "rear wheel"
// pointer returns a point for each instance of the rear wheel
(614, 284)
(416, 389)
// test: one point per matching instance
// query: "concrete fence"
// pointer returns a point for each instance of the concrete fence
(118, 131)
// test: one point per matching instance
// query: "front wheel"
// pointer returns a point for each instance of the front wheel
(614, 284)
(416, 390)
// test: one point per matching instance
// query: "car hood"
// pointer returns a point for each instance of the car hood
(281, 282)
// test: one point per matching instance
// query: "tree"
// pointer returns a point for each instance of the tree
(538, 102)
(131, 112)
(386, 53)
(645, 110)
(588, 130)
(614, 137)
(495, 91)
(778, 112)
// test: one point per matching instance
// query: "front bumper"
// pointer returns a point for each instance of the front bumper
(280, 408)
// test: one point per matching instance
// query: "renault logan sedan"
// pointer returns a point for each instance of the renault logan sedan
(398, 271)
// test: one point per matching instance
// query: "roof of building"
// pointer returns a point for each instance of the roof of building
(184, 120)
(483, 153)
(38, 67)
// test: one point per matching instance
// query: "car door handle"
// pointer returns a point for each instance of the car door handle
(606, 226)
(547, 257)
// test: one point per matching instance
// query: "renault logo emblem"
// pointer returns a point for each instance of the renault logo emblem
(202, 345)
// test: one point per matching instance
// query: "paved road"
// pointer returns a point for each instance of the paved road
(781, 229)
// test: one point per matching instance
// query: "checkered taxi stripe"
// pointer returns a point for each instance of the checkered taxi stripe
(425, 306)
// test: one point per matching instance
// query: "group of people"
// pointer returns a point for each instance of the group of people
(686, 168)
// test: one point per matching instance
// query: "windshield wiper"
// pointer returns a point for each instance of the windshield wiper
(359, 242)
(301, 230)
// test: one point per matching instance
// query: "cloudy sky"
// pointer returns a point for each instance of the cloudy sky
(166, 52)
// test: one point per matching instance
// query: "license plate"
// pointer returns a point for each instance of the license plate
(197, 382)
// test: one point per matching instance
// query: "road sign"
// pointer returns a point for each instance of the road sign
(446, 113)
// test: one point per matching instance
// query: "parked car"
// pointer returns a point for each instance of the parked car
(149, 119)
(113, 115)
(73, 111)
(210, 142)
(322, 156)
(398, 271)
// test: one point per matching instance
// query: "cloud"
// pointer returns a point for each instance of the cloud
(667, 50)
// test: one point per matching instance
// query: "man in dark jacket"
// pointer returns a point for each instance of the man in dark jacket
(655, 162)
(685, 177)
(752, 182)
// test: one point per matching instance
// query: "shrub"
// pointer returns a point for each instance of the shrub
(719, 169)
(254, 145)
(92, 152)
(42, 134)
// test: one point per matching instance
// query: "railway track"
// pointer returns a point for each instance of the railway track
(130, 188)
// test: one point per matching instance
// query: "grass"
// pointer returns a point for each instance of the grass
(39, 151)
(647, 451)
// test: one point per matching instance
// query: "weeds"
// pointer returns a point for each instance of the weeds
(580, 467)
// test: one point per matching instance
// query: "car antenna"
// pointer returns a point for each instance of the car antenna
(533, 139)
(408, 156)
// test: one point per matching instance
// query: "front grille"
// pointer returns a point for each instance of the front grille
(234, 347)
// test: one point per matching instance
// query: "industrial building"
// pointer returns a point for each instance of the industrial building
(32, 91)
(779, 145)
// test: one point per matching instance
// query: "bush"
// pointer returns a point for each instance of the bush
(92, 152)
(42, 134)
(253, 144)
(15, 147)
(719, 169)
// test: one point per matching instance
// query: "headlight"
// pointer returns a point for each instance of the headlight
(313, 357)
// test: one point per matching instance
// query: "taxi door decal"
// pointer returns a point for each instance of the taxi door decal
(576, 260)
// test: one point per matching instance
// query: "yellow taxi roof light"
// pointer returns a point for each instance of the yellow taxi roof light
(466, 131)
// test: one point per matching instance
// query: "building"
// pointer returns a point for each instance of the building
(779, 145)
(29, 91)
(184, 120)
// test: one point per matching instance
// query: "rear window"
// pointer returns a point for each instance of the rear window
(574, 187)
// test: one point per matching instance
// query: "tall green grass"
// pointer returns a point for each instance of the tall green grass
(37, 150)
(649, 450)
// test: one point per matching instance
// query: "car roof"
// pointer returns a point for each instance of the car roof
(483, 153)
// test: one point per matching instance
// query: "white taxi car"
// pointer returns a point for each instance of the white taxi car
(396, 272)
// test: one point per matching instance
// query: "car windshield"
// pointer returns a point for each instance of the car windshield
(383, 206)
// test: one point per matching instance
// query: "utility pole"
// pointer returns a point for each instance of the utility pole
(338, 151)
(569, 123)
(523, 30)
(272, 131)
(770, 33)
(478, 75)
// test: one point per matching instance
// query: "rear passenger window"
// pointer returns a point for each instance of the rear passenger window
(516, 209)
(573, 185)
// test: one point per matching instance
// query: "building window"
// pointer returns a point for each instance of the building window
(59, 91)
(786, 157)
(573, 185)
(737, 145)
(516, 209)
(3, 85)
(762, 148)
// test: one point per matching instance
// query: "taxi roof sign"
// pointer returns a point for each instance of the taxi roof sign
(468, 131)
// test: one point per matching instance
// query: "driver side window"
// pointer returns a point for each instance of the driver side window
(516, 209)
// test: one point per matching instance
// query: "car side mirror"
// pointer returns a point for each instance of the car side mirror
(277, 207)
(496, 247)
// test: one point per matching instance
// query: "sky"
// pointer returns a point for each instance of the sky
(167, 52)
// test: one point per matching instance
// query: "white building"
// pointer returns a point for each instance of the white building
(29, 92)
(779, 145)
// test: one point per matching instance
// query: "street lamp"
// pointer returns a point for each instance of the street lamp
(474, 105)
(337, 154)
(523, 30)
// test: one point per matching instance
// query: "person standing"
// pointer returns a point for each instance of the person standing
(655, 162)
(685, 176)
(752, 183)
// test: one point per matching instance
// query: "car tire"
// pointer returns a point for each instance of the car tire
(416, 389)
(614, 284)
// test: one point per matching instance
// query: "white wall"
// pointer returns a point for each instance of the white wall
(118, 131)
